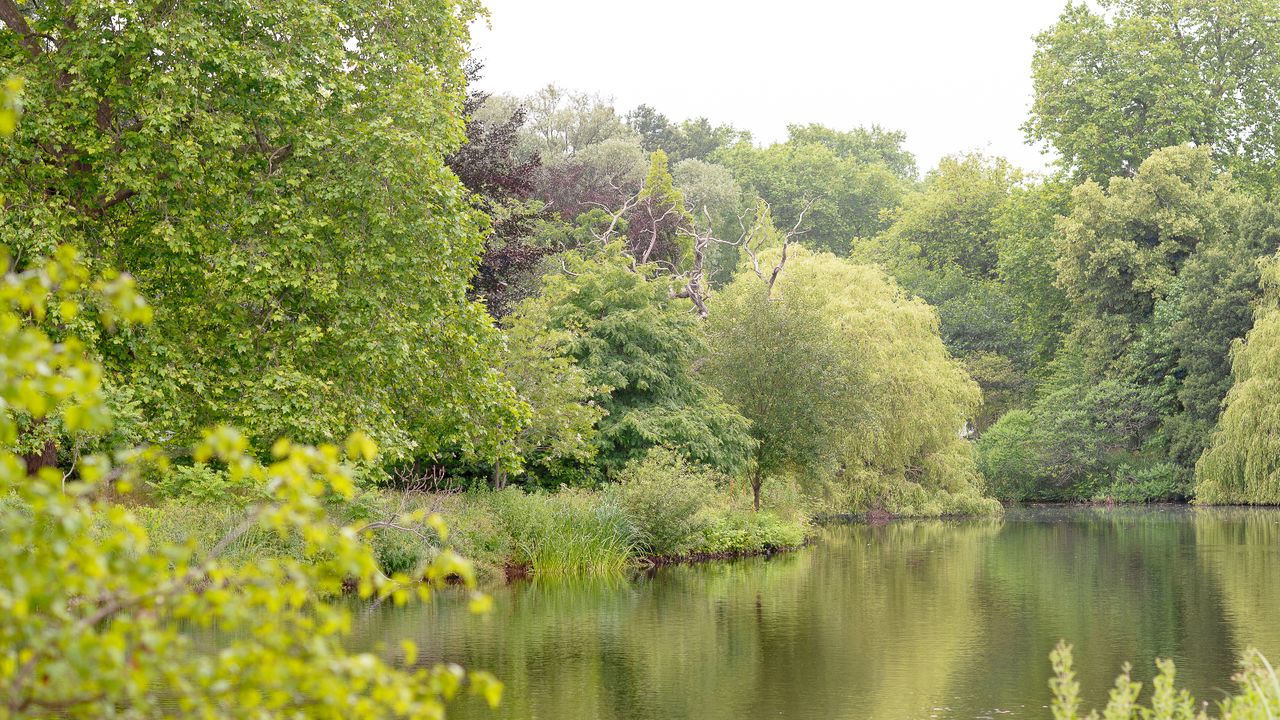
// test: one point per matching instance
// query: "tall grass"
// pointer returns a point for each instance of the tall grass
(569, 533)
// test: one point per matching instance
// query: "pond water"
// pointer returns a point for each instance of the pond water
(910, 619)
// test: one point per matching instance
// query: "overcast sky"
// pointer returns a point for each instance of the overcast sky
(954, 75)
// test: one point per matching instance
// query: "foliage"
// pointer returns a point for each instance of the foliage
(740, 532)
(662, 497)
(203, 484)
(869, 145)
(273, 176)
(1008, 456)
(844, 195)
(695, 139)
(566, 534)
(1242, 462)
(1258, 696)
(106, 638)
(629, 335)
(945, 245)
(1161, 482)
(1115, 84)
(826, 368)
(490, 166)
(563, 409)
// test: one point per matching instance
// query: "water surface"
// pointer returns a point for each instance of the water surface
(911, 619)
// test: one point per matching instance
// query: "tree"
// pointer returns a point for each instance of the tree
(1242, 463)
(944, 246)
(844, 378)
(695, 139)
(869, 145)
(843, 195)
(628, 333)
(96, 616)
(489, 165)
(1115, 85)
(563, 406)
(274, 178)
(1122, 248)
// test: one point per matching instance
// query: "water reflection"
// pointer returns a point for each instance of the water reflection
(904, 620)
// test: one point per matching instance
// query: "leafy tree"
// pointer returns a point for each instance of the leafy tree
(825, 362)
(628, 334)
(561, 123)
(1122, 248)
(952, 220)
(944, 246)
(657, 225)
(563, 408)
(1115, 84)
(1026, 263)
(839, 198)
(695, 139)
(490, 166)
(274, 178)
(869, 145)
(96, 618)
(1242, 462)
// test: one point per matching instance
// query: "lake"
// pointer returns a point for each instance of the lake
(909, 619)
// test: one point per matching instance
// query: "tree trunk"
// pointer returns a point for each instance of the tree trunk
(499, 476)
(756, 481)
(46, 457)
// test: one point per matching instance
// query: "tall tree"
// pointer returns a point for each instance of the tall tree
(1242, 463)
(841, 197)
(630, 335)
(274, 177)
(824, 356)
(1114, 85)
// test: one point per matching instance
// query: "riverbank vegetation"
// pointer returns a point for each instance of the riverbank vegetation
(587, 337)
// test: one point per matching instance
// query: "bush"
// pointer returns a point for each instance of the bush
(1008, 458)
(663, 499)
(750, 532)
(1161, 482)
(204, 484)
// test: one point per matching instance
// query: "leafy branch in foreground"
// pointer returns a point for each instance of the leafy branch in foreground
(99, 620)
(1258, 696)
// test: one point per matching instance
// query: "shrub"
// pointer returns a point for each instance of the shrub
(1008, 458)
(662, 497)
(750, 532)
(1161, 482)
(205, 484)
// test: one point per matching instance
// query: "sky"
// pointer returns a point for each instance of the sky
(953, 74)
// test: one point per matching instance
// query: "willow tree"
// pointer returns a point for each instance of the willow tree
(845, 379)
(1242, 462)
(273, 175)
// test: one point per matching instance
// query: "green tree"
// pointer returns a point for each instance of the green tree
(1115, 84)
(846, 378)
(1122, 248)
(563, 411)
(274, 178)
(97, 619)
(628, 334)
(944, 246)
(870, 145)
(1242, 462)
(839, 198)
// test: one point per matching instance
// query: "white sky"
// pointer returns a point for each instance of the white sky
(953, 74)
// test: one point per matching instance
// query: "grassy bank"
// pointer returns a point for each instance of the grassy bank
(513, 533)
